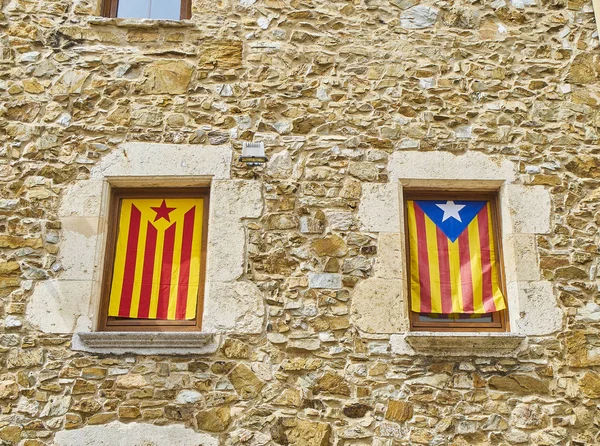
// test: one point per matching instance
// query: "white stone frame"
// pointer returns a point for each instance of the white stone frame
(525, 213)
(70, 303)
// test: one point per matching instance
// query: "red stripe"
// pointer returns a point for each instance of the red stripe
(444, 262)
(147, 272)
(164, 289)
(466, 278)
(486, 263)
(184, 266)
(130, 262)
(424, 278)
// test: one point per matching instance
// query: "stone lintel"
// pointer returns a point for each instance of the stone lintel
(146, 343)
(464, 344)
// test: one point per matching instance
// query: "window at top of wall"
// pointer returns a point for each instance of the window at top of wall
(454, 257)
(156, 255)
(148, 9)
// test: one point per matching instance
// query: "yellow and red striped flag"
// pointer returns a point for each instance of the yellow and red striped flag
(156, 272)
(453, 265)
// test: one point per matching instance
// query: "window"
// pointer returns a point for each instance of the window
(148, 9)
(454, 257)
(156, 256)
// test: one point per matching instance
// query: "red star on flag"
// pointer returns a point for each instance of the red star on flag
(163, 211)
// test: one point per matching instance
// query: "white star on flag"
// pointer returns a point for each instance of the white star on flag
(451, 210)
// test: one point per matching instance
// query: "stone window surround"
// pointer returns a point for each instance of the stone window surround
(69, 303)
(525, 213)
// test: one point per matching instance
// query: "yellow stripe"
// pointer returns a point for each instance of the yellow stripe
(415, 289)
(476, 268)
(434, 265)
(139, 265)
(160, 244)
(454, 260)
(498, 297)
(192, 298)
(119, 263)
(175, 270)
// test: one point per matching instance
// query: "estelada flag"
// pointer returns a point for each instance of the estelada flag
(453, 265)
(156, 272)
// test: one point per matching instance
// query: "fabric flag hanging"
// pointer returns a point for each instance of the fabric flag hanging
(156, 272)
(452, 258)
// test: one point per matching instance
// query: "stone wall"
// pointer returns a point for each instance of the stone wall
(338, 91)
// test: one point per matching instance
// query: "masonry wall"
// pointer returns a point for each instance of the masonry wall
(344, 94)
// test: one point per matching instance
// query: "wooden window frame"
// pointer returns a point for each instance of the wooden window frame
(500, 320)
(110, 8)
(106, 323)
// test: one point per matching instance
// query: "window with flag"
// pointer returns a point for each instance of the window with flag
(154, 276)
(456, 279)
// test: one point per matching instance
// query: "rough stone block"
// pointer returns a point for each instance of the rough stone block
(324, 280)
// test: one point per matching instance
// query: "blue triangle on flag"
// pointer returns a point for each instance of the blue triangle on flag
(451, 226)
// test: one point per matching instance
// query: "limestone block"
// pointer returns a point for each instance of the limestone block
(163, 160)
(378, 307)
(521, 257)
(233, 306)
(389, 261)
(236, 199)
(225, 258)
(133, 434)
(81, 199)
(379, 209)
(405, 166)
(59, 306)
(231, 201)
(78, 247)
(537, 311)
(529, 209)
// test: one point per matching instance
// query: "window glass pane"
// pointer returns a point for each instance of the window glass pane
(165, 9)
(427, 317)
(135, 9)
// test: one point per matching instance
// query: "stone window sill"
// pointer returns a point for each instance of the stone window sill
(140, 23)
(146, 343)
(464, 344)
